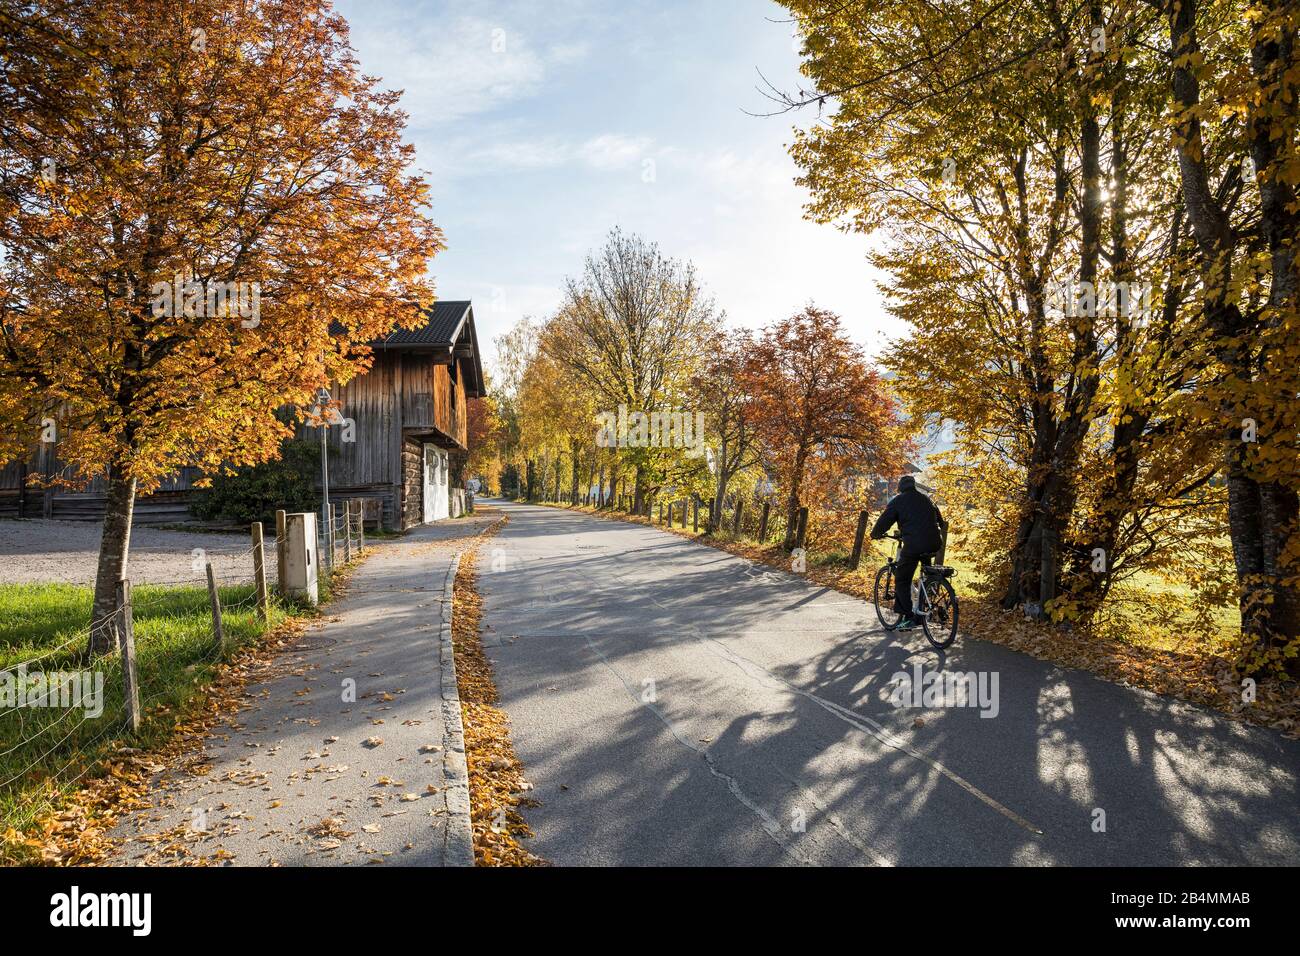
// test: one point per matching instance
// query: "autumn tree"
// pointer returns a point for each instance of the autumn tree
(1002, 180)
(515, 349)
(1235, 86)
(632, 330)
(484, 436)
(190, 196)
(816, 400)
(557, 414)
(720, 389)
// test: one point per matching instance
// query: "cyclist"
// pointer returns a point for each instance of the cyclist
(919, 525)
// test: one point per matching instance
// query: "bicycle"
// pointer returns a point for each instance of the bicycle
(933, 598)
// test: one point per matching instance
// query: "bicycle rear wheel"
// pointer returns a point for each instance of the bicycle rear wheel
(940, 620)
(883, 594)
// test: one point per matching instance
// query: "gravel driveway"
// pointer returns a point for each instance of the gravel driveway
(36, 551)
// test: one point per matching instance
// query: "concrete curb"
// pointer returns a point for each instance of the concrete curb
(458, 849)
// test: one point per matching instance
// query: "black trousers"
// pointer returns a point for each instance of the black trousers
(903, 575)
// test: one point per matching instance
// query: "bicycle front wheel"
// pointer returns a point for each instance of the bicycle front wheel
(884, 598)
(940, 620)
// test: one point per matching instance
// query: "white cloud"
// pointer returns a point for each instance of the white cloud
(463, 156)
(450, 69)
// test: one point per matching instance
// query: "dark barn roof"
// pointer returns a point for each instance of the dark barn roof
(443, 326)
(449, 327)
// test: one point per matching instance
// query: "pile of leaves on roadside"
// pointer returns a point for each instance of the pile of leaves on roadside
(1208, 680)
(497, 786)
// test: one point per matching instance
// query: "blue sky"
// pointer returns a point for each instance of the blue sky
(542, 125)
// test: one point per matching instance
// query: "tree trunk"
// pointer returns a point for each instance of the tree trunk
(792, 501)
(720, 489)
(638, 495)
(114, 549)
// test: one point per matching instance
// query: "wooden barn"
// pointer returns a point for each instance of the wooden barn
(407, 418)
(399, 442)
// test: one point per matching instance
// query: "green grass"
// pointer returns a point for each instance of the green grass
(46, 624)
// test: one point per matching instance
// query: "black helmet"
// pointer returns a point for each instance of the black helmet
(907, 483)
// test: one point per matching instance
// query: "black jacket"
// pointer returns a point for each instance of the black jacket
(918, 521)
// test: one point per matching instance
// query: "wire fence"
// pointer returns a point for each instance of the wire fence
(840, 536)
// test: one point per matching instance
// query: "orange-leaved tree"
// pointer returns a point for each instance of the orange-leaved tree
(192, 196)
(817, 401)
(720, 388)
(485, 437)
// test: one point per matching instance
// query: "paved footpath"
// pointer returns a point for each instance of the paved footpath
(307, 777)
(674, 704)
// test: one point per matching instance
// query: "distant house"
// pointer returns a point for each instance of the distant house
(403, 454)
(409, 415)
(886, 488)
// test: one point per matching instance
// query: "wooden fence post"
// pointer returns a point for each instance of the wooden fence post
(361, 525)
(281, 549)
(858, 537)
(347, 531)
(740, 508)
(943, 547)
(695, 515)
(801, 529)
(328, 537)
(259, 572)
(126, 644)
(334, 534)
(47, 468)
(218, 634)
(762, 521)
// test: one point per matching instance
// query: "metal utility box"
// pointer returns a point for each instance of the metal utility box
(301, 557)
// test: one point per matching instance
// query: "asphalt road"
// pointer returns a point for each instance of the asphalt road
(673, 704)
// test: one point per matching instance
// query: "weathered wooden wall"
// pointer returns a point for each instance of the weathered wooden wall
(433, 397)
